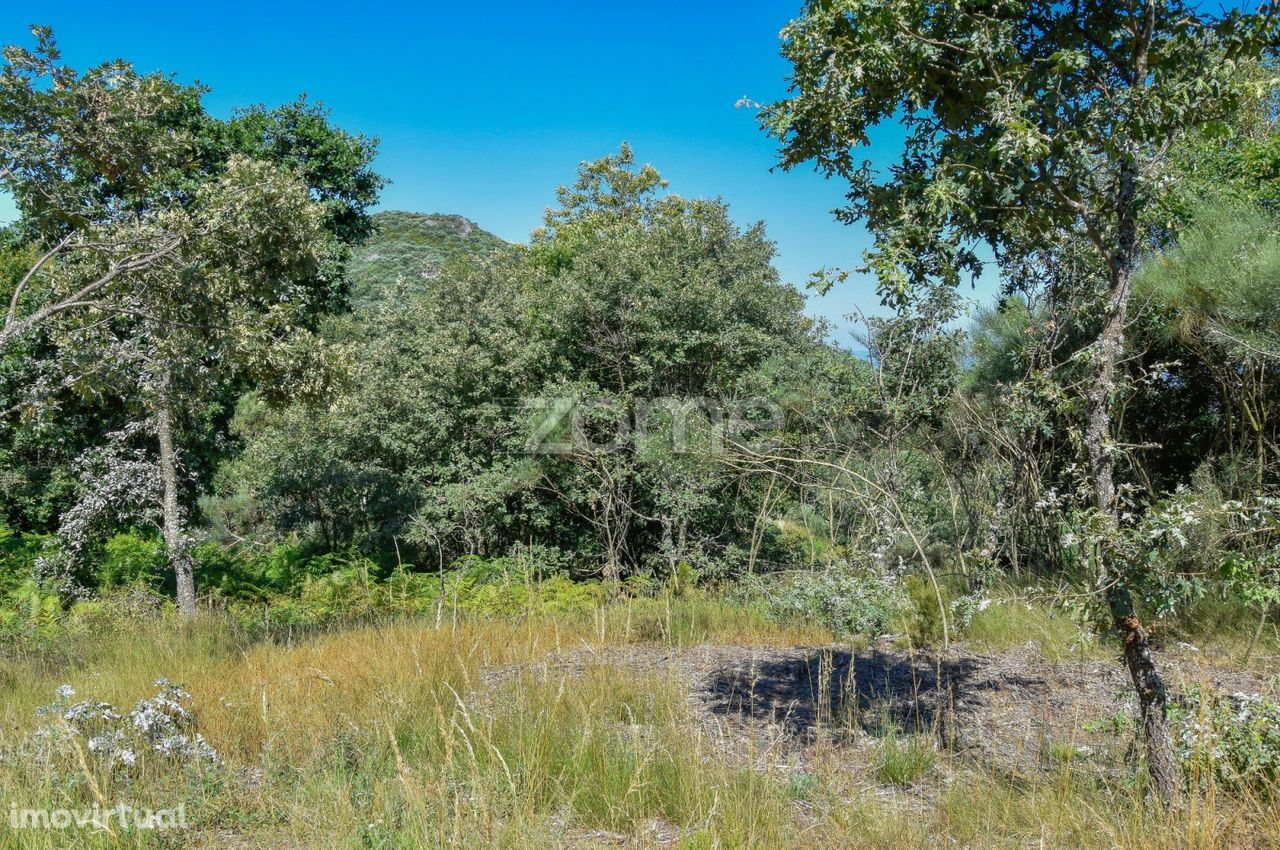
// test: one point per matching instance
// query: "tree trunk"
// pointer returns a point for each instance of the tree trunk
(1147, 682)
(668, 544)
(175, 539)
(1153, 701)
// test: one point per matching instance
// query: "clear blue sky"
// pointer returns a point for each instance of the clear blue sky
(483, 110)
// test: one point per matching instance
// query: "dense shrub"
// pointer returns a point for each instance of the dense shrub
(472, 587)
(18, 555)
(1232, 740)
(30, 613)
(921, 618)
(130, 557)
(849, 602)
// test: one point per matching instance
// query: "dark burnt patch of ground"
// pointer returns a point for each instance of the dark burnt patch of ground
(806, 690)
(1009, 711)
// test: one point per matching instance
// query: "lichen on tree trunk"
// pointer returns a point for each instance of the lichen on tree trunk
(175, 538)
(1147, 681)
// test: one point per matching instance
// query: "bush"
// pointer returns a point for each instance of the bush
(474, 587)
(129, 557)
(921, 619)
(122, 606)
(18, 555)
(1230, 741)
(849, 603)
(1233, 740)
(30, 612)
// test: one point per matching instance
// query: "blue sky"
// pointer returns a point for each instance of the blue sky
(484, 110)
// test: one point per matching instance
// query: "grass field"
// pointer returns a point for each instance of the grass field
(595, 732)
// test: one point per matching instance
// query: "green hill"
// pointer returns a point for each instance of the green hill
(409, 248)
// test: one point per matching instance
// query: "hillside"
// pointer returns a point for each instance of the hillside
(411, 247)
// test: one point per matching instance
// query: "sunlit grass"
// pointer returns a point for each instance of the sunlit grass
(401, 735)
(904, 759)
(1015, 622)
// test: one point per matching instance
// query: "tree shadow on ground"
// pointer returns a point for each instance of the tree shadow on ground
(871, 690)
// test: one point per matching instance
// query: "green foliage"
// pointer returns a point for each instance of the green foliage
(30, 613)
(1233, 741)
(36, 619)
(382, 462)
(1225, 741)
(1217, 286)
(18, 555)
(1237, 162)
(130, 558)
(335, 164)
(329, 589)
(988, 157)
(1195, 543)
(920, 618)
(171, 258)
(683, 579)
(904, 759)
(431, 445)
(999, 342)
(406, 251)
(848, 602)
(805, 542)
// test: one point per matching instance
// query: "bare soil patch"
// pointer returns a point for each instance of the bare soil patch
(781, 708)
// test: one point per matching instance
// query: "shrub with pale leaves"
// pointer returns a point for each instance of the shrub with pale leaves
(866, 602)
(159, 727)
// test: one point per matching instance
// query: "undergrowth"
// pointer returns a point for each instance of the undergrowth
(437, 725)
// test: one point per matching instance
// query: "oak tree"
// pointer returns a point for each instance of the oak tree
(1023, 119)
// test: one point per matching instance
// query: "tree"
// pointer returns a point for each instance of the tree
(1024, 120)
(89, 159)
(1215, 297)
(334, 165)
(914, 364)
(226, 305)
(630, 304)
(177, 255)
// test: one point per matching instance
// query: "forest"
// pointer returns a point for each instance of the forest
(399, 534)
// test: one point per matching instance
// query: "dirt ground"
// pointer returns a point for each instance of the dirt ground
(784, 708)
(801, 711)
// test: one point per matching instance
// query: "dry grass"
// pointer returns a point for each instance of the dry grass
(387, 737)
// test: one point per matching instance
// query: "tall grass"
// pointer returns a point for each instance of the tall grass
(1014, 622)
(400, 735)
